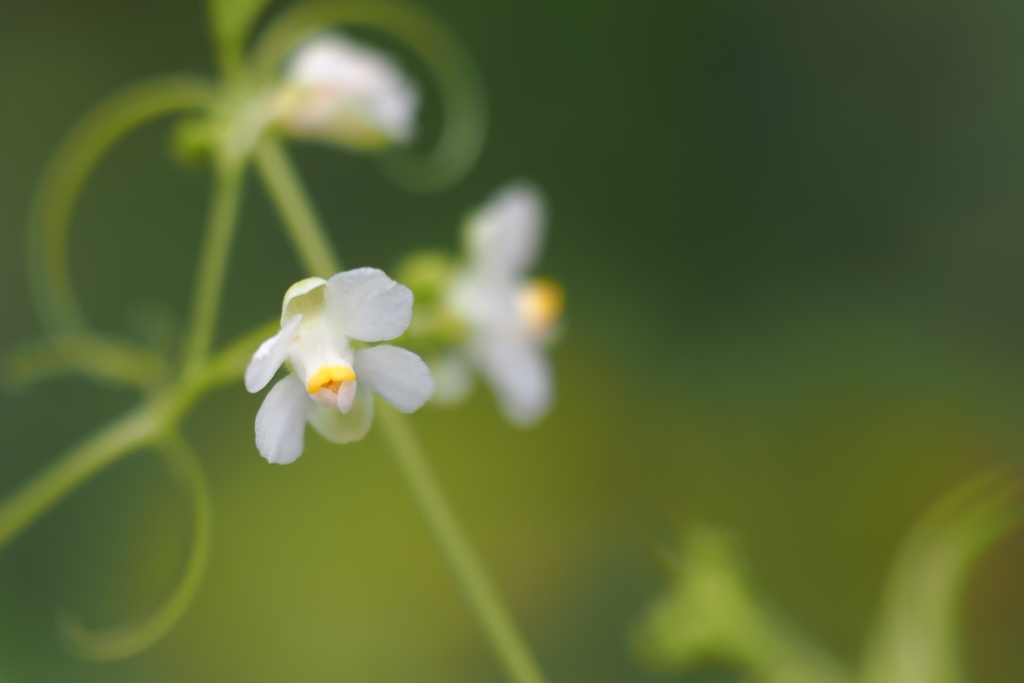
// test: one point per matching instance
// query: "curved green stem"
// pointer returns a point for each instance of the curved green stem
(66, 174)
(137, 429)
(135, 636)
(916, 638)
(483, 598)
(213, 262)
(458, 82)
(153, 424)
(296, 211)
(73, 352)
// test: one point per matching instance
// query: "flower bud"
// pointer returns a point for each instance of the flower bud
(343, 91)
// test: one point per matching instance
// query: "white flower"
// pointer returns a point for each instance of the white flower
(512, 318)
(347, 92)
(330, 383)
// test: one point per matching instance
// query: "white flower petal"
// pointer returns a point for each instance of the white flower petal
(367, 305)
(398, 376)
(346, 394)
(338, 428)
(453, 378)
(269, 356)
(520, 374)
(488, 303)
(281, 421)
(351, 93)
(504, 237)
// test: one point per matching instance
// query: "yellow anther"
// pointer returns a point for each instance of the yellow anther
(541, 304)
(330, 377)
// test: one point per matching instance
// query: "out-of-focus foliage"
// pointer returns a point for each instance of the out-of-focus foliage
(713, 615)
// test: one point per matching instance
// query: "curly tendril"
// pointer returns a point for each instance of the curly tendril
(138, 634)
(459, 84)
(50, 219)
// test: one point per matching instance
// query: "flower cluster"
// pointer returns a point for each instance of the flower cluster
(337, 89)
(504, 322)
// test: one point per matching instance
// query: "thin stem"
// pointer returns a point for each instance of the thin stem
(50, 221)
(304, 227)
(131, 432)
(213, 262)
(83, 352)
(483, 598)
(153, 424)
(139, 428)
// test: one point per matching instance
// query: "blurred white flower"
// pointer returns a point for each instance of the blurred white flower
(344, 91)
(330, 383)
(512, 318)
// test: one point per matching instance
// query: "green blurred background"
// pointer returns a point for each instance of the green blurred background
(791, 236)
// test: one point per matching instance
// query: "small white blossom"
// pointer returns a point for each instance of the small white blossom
(347, 92)
(330, 383)
(512, 318)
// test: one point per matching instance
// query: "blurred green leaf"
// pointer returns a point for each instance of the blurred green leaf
(711, 615)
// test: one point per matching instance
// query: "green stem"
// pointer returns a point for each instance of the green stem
(135, 430)
(84, 352)
(917, 635)
(139, 428)
(153, 424)
(481, 594)
(50, 221)
(469, 572)
(282, 182)
(213, 262)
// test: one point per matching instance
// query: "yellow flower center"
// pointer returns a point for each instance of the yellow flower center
(330, 377)
(541, 304)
